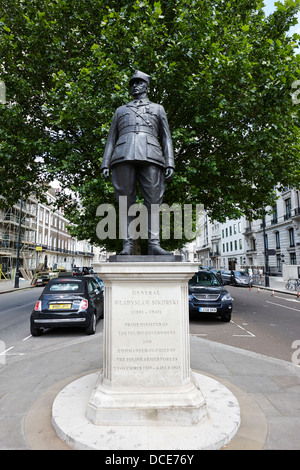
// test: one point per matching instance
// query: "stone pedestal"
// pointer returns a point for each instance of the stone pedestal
(146, 377)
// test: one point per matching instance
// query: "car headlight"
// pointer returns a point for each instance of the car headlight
(191, 297)
(227, 296)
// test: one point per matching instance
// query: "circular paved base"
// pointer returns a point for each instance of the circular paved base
(70, 422)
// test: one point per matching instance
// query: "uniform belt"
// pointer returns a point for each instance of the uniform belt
(138, 128)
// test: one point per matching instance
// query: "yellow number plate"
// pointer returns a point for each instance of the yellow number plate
(59, 306)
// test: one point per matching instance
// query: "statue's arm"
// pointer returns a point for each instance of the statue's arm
(109, 147)
(167, 145)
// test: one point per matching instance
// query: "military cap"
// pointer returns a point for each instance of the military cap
(143, 76)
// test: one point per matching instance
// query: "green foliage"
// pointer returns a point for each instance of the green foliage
(222, 70)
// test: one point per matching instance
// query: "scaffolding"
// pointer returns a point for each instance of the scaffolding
(9, 239)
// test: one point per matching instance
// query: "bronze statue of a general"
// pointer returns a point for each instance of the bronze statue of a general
(139, 149)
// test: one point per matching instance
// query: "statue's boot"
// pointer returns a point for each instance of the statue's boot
(154, 248)
(127, 247)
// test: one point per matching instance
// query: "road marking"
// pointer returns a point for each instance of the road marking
(284, 298)
(248, 335)
(16, 307)
(284, 306)
(4, 352)
(27, 337)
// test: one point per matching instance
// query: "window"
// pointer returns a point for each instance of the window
(288, 208)
(65, 285)
(266, 241)
(293, 258)
(234, 229)
(277, 238)
(291, 237)
(222, 233)
(278, 263)
(230, 230)
(226, 232)
(231, 247)
(275, 214)
(239, 227)
(240, 244)
(235, 244)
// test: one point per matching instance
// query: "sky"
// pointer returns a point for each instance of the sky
(270, 7)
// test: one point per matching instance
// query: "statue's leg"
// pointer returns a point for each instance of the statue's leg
(152, 183)
(124, 181)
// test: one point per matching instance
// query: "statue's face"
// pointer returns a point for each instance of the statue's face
(139, 86)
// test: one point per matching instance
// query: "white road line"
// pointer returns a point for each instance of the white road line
(283, 306)
(27, 337)
(249, 334)
(4, 352)
(284, 298)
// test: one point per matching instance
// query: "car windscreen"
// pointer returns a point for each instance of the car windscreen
(204, 279)
(64, 286)
(240, 274)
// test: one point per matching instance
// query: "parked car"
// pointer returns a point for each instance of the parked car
(207, 295)
(82, 271)
(240, 278)
(68, 302)
(225, 276)
(42, 278)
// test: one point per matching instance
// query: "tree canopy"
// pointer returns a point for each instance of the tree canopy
(222, 70)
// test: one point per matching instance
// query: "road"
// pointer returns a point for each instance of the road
(261, 322)
(15, 337)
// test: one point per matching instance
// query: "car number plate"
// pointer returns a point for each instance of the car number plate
(208, 309)
(59, 306)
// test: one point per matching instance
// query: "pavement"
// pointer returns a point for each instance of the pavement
(268, 389)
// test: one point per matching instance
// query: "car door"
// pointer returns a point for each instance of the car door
(97, 296)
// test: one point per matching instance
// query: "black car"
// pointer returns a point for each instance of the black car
(207, 295)
(68, 302)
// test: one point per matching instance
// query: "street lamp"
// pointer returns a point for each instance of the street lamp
(17, 276)
(267, 284)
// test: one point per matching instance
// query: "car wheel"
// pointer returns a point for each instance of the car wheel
(36, 331)
(91, 329)
(226, 318)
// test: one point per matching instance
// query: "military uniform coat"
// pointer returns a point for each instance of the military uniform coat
(139, 133)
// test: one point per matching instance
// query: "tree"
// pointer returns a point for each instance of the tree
(222, 70)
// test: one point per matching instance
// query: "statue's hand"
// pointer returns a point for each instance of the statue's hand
(105, 173)
(169, 174)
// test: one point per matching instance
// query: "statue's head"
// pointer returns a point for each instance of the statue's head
(139, 82)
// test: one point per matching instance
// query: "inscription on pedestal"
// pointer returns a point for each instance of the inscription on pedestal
(147, 344)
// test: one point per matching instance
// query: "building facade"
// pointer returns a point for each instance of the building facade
(44, 238)
(241, 243)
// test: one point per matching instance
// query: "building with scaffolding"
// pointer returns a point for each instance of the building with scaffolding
(44, 239)
(12, 228)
